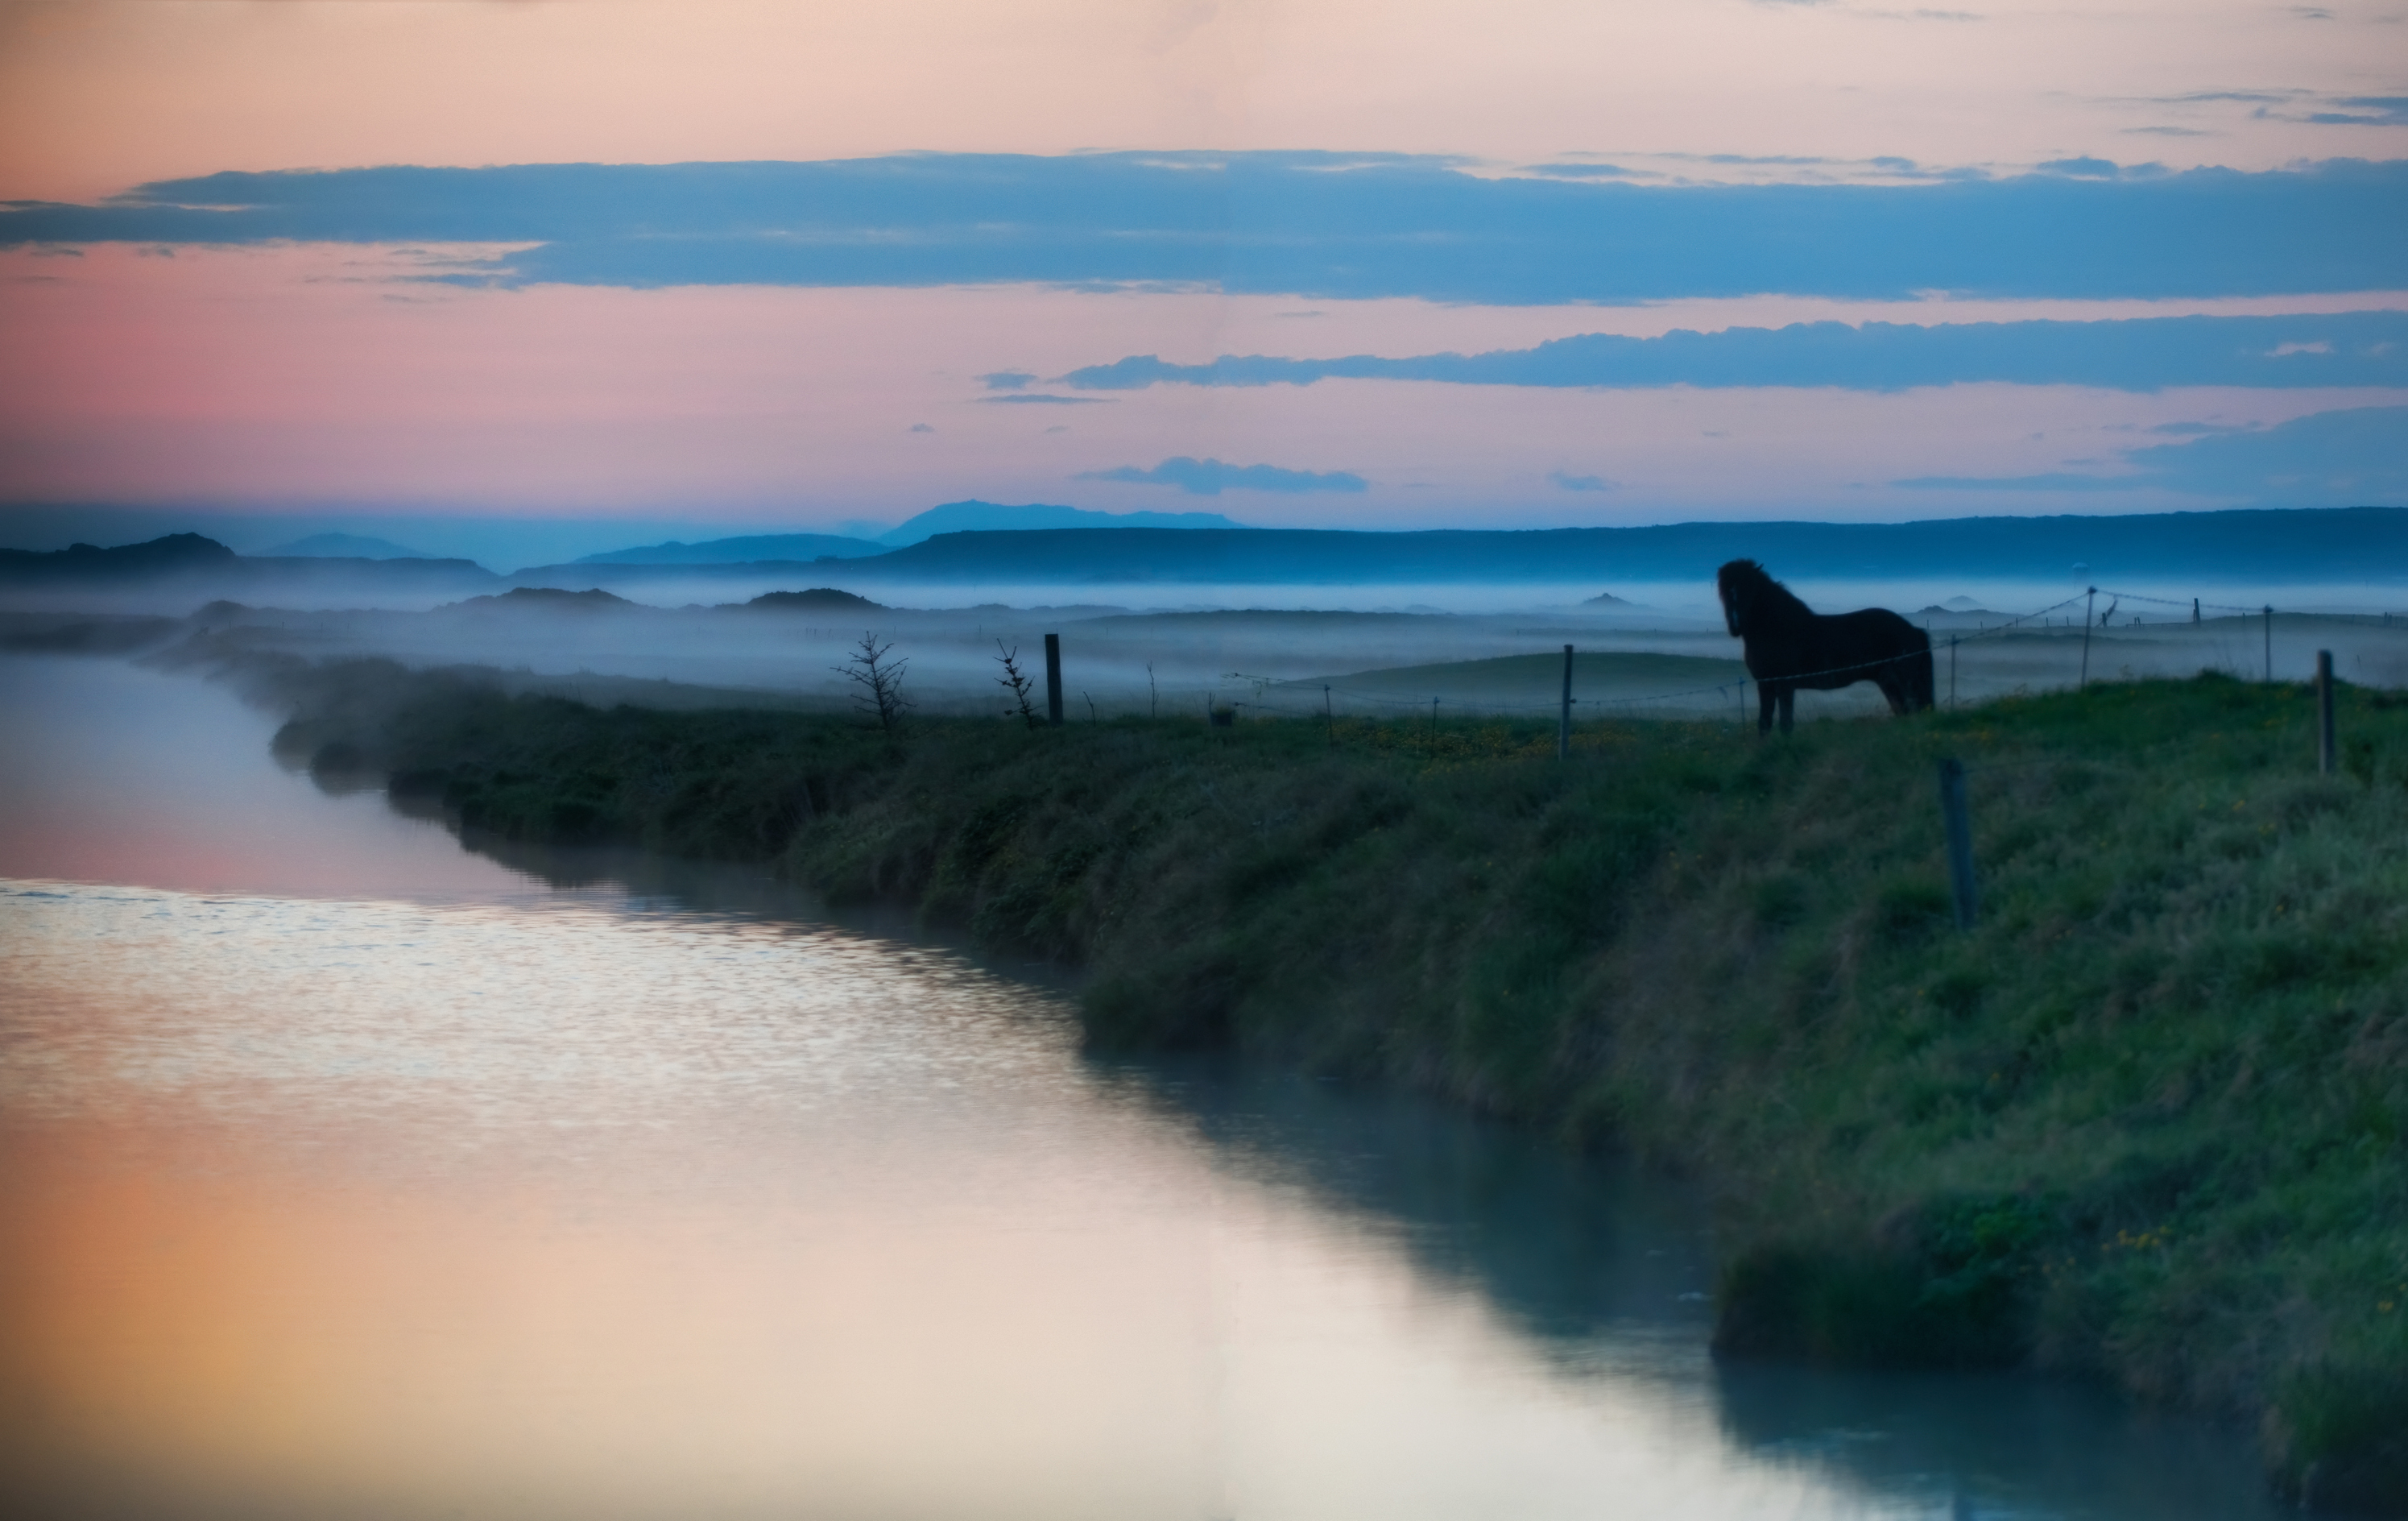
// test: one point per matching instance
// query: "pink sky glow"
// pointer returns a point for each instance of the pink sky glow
(305, 377)
(95, 97)
(283, 377)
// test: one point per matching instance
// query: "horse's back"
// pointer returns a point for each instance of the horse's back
(1869, 623)
(1844, 648)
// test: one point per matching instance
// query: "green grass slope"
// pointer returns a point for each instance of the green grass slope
(2143, 1122)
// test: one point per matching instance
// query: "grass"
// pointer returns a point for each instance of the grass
(2147, 1121)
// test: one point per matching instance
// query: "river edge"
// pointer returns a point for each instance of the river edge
(2142, 1124)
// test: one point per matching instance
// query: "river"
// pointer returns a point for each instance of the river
(345, 1171)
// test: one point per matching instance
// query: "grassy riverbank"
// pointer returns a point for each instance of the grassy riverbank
(2145, 1121)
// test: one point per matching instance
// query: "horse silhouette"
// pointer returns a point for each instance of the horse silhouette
(1790, 645)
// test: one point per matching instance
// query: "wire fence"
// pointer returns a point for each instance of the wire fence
(1279, 697)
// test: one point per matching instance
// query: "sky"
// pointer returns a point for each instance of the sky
(732, 267)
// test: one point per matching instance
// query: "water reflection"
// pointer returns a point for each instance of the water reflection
(1990, 1444)
(1602, 1270)
(116, 774)
(1570, 1248)
(660, 1196)
(579, 1210)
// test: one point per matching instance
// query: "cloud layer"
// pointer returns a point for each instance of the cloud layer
(1311, 224)
(2351, 349)
(2349, 458)
(1210, 476)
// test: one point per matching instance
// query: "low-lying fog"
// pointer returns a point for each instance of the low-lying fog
(1644, 648)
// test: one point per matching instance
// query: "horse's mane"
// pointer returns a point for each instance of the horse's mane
(1748, 585)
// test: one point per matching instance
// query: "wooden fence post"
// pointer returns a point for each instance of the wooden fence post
(2088, 598)
(1959, 828)
(1053, 680)
(2326, 759)
(1564, 722)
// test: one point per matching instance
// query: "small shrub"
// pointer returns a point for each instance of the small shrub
(1017, 682)
(878, 679)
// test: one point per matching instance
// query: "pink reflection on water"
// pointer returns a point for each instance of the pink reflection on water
(116, 774)
(389, 1209)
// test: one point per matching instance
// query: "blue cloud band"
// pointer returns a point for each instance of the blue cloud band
(1210, 476)
(1311, 224)
(2150, 353)
(2354, 456)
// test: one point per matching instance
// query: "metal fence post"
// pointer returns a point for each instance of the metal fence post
(2325, 760)
(1053, 680)
(1959, 828)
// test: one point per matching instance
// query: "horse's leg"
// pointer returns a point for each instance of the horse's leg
(1894, 686)
(1765, 697)
(1788, 708)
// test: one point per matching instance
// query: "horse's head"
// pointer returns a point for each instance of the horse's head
(1737, 583)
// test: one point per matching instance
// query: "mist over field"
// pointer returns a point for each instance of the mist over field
(785, 634)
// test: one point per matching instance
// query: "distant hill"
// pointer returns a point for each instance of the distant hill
(803, 547)
(2255, 547)
(328, 568)
(990, 517)
(165, 556)
(578, 574)
(346, 547)
(190, 561)
(543, 599)
(817, 599)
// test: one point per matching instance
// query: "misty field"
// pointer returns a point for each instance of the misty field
(2145, 1121)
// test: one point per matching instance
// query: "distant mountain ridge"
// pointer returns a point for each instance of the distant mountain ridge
(2355, 544)
(164, 555)
(990, 517)
(2359, 545)
(190, 557)
(345, 547)
(743, 550)
(583, 573)
(948, 518)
